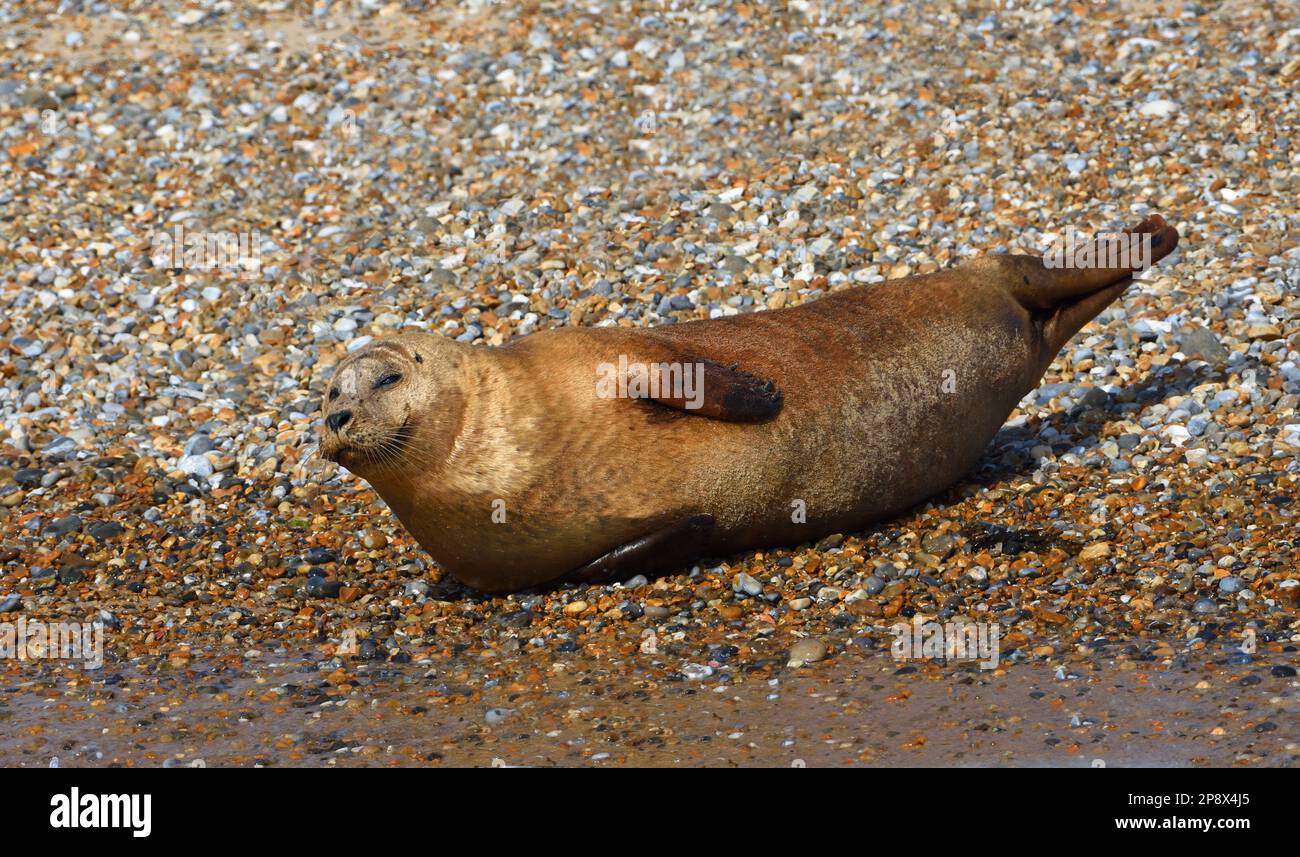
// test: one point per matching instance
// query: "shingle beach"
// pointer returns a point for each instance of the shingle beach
(485, 170)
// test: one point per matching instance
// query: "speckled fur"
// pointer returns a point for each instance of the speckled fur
(866, 430)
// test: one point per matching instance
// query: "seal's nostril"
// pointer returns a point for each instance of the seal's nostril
(339, 420)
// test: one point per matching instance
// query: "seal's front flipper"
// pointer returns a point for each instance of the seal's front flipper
(662, 550)
(706, 388)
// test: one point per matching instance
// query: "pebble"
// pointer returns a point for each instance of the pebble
(1231, 584)
(696, 672)
(497, 716)
(806, 651)
(1160, 108)
(105, 530)
(1199, 343)
(320, 556)
(65, 525)
(323, 587)
(196, 465)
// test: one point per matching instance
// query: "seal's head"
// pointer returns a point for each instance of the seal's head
(383, 402)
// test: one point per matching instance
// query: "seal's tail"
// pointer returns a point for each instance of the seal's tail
(1065, 299)
(1068, 272)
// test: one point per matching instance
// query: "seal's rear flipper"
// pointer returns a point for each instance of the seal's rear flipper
(664, 549)
(1046, 282)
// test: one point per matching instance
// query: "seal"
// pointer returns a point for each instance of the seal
(600, 453)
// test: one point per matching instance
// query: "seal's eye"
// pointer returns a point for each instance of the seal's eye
(387, 380)
(334, 394)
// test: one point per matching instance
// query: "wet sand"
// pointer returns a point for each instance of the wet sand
(855, 710)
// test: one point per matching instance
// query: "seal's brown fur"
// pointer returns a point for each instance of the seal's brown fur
(890, 393)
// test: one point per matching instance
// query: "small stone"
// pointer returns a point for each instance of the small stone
(196, 465)
(1264, 331)
(1199, 343)
(1095, 551)
(64, 526)
(29, 477)
(1159, 109)
(105, 530)
(1231, 584)
(829, 594)
(830, 542)
(320, 556)
(70, 574)
(734, 264)
(1177, 435)
(865, 608)
(941, 545)
(199, 444)
(323, 587)
(806, 651)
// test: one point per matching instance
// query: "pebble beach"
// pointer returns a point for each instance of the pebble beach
(485, 170)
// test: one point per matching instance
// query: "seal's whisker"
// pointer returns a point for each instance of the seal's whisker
(388, 455)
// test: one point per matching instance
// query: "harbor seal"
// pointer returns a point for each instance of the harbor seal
(558, 456)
